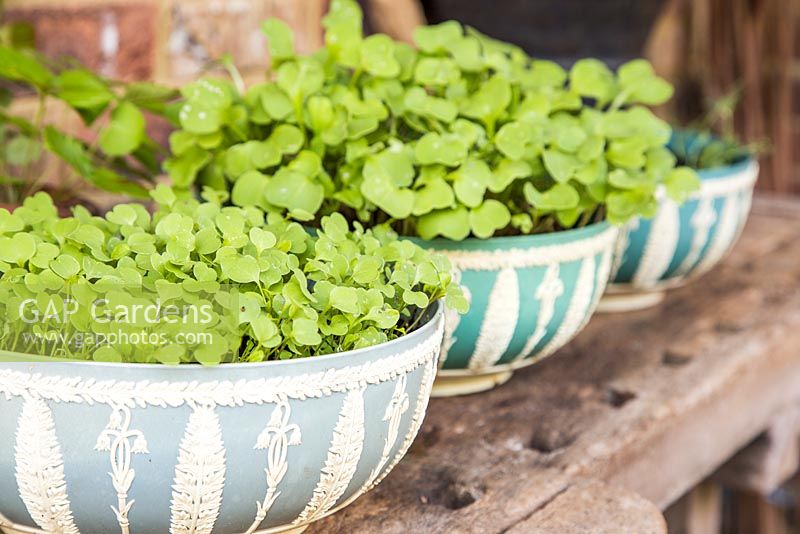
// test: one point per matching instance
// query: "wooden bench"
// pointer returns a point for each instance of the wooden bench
(630, 416)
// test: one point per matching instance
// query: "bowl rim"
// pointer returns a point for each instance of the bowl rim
(561, 237)
(424, 331)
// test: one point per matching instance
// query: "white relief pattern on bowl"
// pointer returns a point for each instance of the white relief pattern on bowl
(40, 469)
(660, 245)
(546, 293)
(343, 456)
(578, 308)
(499, 321)
(199, 475)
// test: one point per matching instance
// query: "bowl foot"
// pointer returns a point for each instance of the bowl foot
(12, 530)
(623, 302)
(453, 386)
(290, 530)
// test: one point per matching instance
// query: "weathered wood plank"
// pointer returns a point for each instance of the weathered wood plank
(651, 402)
(591, 507)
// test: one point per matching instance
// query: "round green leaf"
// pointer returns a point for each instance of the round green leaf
(65, 266)
(301, 78)
(512, 140)
(248, 189)
(593, 79)
(199, 118)
(450, 223)
(680, 183)
(391, 166)
(558, 197)
(107, 353)
(125, 132)
(344, 299)
(305, 332)
(489, 217)
(638, 79)
(377, 56)
(436, 194)
(436, 72)
(470, 182)
(560, 165)
(262, 239)
(379, 190)
(240, 269)
(280, 39)
(18, 249)
(83, 90)
(448, 149)
(436, 37)
(275, 102)
(293, 190)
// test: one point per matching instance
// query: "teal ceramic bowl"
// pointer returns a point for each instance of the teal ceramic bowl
(96, 448)
(681, 242)
(529, 295)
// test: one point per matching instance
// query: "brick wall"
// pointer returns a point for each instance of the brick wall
(166, 40)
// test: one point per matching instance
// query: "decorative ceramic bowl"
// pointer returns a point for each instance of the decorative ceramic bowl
(680, 242)
(102, 448)
(529, 296)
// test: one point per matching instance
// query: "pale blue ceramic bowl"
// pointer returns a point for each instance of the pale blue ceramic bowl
(97, 448)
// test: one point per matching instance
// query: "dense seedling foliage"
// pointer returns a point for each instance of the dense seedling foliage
(277, 291)
(711, 142)
(461, 136)
(704, 150)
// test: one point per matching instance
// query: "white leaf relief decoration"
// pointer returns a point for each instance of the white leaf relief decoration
(724, 235)
(121, 443)
(622, 244)
(546, 293)
(398, 405)
(577, 311)
(342, 461)
(660, 246)
(275, 439)
(702, 220)
(199, 475)
(40, 469)
(428, 376)
(499, 321)
(601, 282)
